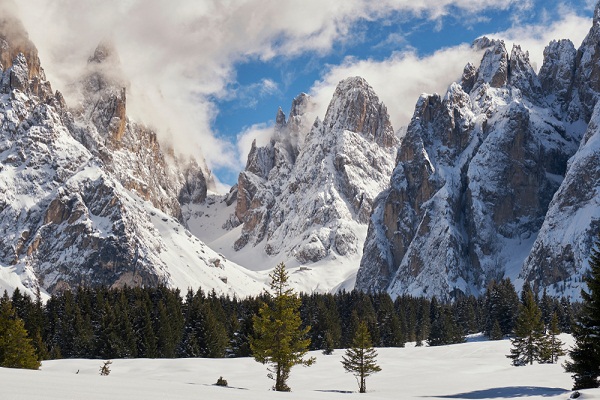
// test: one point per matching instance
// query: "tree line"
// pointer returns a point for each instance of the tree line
(159, 322)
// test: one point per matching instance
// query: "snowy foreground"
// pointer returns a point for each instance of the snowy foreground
(474, 370)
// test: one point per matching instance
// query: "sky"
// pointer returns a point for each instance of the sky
(210, 75)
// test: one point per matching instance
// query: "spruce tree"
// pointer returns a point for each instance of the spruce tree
(529, 338)
(360, 358)
(496, 333)
(553, 346)
(278, 338)
(16, 349)
(585, 354)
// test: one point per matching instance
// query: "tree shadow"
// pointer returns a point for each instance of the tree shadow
(333, 391)
(507, 392)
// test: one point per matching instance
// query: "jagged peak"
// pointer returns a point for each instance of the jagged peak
(485, 42)
(14, 40)
(468, 77)
(522, 74)
(494, 64)
(105, 53)
(355, 107)
(597, 13)
(300, 105)
(280, 118)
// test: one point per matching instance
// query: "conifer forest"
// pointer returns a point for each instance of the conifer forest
(159, 322)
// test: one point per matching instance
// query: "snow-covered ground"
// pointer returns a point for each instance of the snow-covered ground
(473, 370)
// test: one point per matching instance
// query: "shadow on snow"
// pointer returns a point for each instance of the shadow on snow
(507, 393)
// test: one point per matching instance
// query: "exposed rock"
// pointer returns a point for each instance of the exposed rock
(474, 176)
(558, 71)
(494, 65)
(560, 255)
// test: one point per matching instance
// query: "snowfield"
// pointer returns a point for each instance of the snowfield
(474, 370)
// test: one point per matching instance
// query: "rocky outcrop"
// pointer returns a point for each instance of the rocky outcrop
(475, 174)
(560, 255)
(303, 194)
(129, 150)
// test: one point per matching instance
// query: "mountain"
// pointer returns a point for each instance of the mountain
(89, 196)
(497, 178)
(305, 198)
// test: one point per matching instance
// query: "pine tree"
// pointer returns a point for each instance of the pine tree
(496, 333)
(278, 338)
(16, 349)
(360, 358)
(585, 354)
(529, 337)
(553, 346)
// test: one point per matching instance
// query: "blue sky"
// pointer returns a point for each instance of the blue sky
(209, 75)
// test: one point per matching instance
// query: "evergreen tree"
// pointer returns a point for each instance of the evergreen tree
(529, 339)
(496, 333)
(444, 329)
(360, 358)
(553, 346)
(585, 354)
(16, 349)
(501, 304)
(278, 338)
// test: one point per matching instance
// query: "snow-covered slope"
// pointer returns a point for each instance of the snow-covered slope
(306, 197)
(474, 370)
(80, 205)
(476, 172)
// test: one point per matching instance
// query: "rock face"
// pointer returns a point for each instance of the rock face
(304, 194)
(88, 196)
(128, 150)
(475, 175)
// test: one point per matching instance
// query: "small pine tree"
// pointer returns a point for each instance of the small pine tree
(360, 358)
(105, 368)
(553, 345)
(221, 381)
(278, 338)
(529, 332)
(496, 333)
(585, 354)
(16, 349)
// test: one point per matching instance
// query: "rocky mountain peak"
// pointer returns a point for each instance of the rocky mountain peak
(494, 64)
(19, 60)
(104, 93)
(105, 53)
(280, 119)
(587, 73)
(558, 70)
(355, 107)
(300, 105)
(522, 76)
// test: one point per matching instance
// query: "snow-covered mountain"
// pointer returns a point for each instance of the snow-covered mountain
(494, 180)
(88, 196)
(305, 198)
(497, 178)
